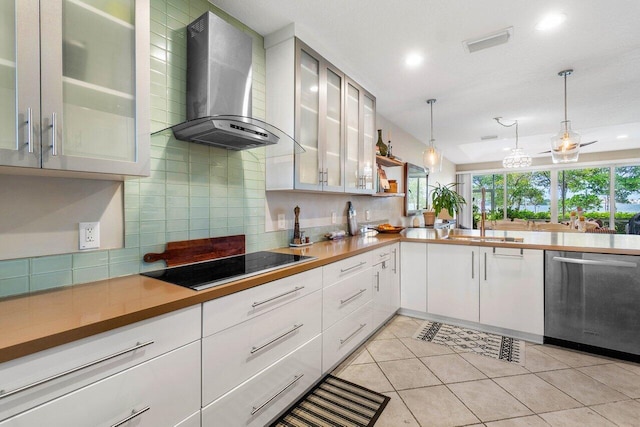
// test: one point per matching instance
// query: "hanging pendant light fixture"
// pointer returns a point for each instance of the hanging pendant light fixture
(431, 157)
(565, 146)
(518, 158)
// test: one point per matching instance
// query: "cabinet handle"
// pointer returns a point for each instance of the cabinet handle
(54, 131)
(362, 325)
(320, 179)
(132, 416)
(508, 255)
(296, 289)
(395, 261)
(344, 270)
(485, 266)
(138, 345)
(384, 254)
(326, 176)
(29, 123)
(378, 281)
(607, 263)
(259, 407)
(295, 328)
(473, 257)
(343, 301)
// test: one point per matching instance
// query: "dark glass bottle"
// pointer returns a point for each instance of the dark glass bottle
(380, 144)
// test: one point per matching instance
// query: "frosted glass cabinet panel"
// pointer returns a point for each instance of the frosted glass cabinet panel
(91, 61)
(308, 167)
(361, 124)
(354, 180)
(333, 131)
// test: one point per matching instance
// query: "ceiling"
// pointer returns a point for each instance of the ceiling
(369, 39)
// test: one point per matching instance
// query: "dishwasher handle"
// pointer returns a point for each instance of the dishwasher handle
(605, 263)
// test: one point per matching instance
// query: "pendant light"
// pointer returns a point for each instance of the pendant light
(565, 146)
(431, 157)
(518, 158)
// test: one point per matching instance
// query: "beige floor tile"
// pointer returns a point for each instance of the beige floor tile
(437, 407)
(615, 377)
(382, 334)
(581, 387)
(452, 368)
(580, 417)
(530, 421)
(425, 348)
(363, 357)
(493, 367)
(488, 401)
(368, 375)
(408, 373)
(573, 358)
(538, 361)
(625, 414)
(396, 413)
(633, 367)
(536, 394)
(403, 328)
(384, 350)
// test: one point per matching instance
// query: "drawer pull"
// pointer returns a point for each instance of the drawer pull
(342, 301)
(384, 254)
(139, 345)
(293, 381)
(362, 325)
(132, 416)
(508, 255)
(395, 261)
(295, 328)
(296, 289)
(344, 270)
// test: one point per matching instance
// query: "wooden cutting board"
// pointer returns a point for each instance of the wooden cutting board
(189, 251)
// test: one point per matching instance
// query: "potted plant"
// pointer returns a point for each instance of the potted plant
(445, 197)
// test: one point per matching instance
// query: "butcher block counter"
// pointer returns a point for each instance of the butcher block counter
(47, 319)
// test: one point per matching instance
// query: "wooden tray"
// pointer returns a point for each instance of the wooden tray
(188, 251)
(389, 231)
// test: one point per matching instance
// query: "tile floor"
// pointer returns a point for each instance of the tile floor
(431, 385)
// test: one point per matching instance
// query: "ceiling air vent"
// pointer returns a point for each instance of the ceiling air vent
(488, 137)
(489, 40)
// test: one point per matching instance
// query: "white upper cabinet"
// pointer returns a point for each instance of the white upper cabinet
(74, 78)
(330, 116)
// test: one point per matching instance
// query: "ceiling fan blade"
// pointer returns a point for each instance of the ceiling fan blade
(581, 145)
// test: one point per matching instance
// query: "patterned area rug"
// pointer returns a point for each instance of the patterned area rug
(463, 339)
(335, 402)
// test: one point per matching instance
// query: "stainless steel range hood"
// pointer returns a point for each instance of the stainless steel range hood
(219, 78)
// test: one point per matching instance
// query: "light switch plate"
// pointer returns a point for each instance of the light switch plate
(89, 235)
(367, 215)
(334, 218)
(281, 222)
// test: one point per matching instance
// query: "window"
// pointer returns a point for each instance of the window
(494, 186)
(528, 195)
(627, 195)
(584, 188)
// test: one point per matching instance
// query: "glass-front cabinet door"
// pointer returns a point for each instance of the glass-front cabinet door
(332, 132)
(367, 162)
(95, 85)
(361, 125)
(19, 83)
(308, 171)
(353, 179)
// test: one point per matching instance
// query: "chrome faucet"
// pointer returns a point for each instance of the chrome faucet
(483, 213)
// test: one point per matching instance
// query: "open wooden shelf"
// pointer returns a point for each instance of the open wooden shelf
(386, 161)
(382, 194)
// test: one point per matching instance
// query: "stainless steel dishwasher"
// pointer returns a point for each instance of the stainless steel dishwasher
(592, 302)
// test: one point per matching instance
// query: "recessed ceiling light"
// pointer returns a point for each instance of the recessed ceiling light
(622, 136)
(551, 21)
(413, 60)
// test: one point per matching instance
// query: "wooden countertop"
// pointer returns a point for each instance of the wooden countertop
(38, 321)
(47, 319)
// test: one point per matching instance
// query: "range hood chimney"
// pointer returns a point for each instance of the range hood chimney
(219, 78)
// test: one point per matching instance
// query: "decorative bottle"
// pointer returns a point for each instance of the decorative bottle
(380, 147)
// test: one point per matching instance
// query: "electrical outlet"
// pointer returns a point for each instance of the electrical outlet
(367, 215)
(334, 218)
(89, 235)
(281, 222)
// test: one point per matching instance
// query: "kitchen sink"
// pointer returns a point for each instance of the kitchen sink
(493, 239)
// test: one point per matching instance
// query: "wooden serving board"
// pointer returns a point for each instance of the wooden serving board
(188, 251)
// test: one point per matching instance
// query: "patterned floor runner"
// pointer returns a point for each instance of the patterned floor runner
(335, 402)
(464, 339)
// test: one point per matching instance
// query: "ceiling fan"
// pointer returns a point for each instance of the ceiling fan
(584, 144)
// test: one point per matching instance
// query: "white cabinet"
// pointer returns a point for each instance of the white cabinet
(160, 392)
(386, 296)
(453, 279)
(345, 296)
(74, 80)
(501, 287)
(512, 289)
(51, 373)
(332, 118)
(413, 276)
(343, 337)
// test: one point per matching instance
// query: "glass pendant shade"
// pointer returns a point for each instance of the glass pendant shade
(517, 159)
(565, 145)
(432, 158)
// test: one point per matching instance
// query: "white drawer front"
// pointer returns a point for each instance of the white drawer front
(227, 311)
(340, 339)
(168, 385)
(236, 354)
(340, 270)
(164, 333)
(345, 297)
(382, 254)
(267, 394)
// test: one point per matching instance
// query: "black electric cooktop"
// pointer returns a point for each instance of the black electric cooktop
(207, 274)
